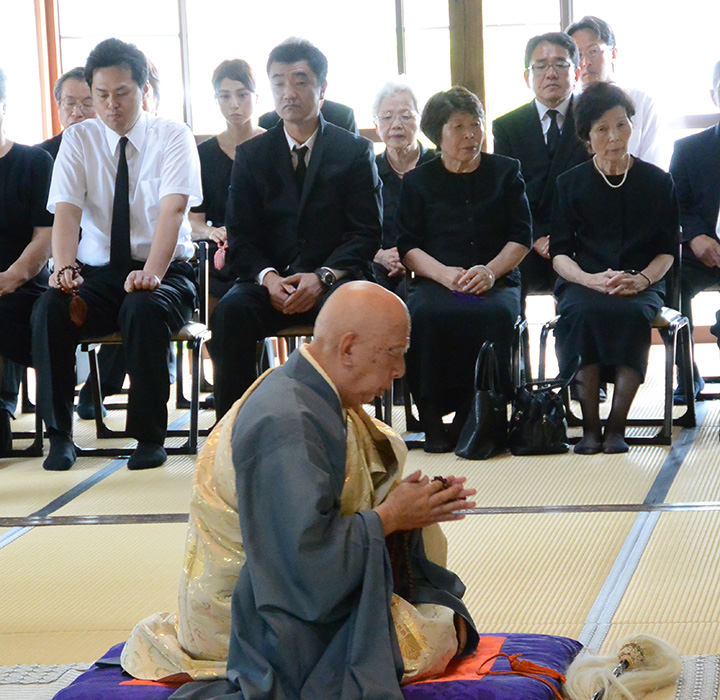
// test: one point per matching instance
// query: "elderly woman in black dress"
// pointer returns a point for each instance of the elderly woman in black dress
(25, 228)
(235, 94)
(397, 122)
(615, 230)
(463, 227)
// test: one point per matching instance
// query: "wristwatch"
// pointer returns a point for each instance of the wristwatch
(326, 275)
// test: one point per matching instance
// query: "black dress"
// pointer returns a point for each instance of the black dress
(215, 170)
(25, 173)
(460, 220)
(622, 229)
(391, 199)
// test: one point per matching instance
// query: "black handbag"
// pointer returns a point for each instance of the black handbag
(538, 425)
(485, 431)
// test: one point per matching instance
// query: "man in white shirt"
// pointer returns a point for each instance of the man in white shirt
(128, 179)
(596, 42)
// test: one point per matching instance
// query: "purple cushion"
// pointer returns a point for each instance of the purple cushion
(104, 681)
(545, 650)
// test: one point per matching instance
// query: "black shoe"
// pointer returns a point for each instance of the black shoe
(147, 455)
(209, 403)
(85, 408)
(62, 454)
(5, 434)
(679, 398)
(437, 439)
(602, 393)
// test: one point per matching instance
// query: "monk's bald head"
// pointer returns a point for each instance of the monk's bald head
(360, 338)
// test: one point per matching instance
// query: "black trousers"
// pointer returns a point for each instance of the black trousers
(243, 317)
(695, 278)
(146, 321)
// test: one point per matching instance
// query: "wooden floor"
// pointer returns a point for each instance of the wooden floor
(592, 547)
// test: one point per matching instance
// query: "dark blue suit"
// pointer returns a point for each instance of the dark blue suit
(334, 222)
(695, 167)
(518, 134)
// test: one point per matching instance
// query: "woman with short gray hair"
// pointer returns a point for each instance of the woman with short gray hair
(397, 122)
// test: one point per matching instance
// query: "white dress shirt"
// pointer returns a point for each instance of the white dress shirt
(645, 139)
(561, 109)
(162, 159)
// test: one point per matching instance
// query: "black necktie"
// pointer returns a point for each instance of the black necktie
(120, 257)
(553, 133)
(300, 168)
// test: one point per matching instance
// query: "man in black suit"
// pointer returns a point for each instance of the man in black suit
(541, 135)
(695, 167)
(333, 112)
(303, 216)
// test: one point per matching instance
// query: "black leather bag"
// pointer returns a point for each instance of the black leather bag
(485, 431)
(538, 425)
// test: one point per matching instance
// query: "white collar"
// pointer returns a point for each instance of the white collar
(562, 108)
(292, 143)
(136, 135)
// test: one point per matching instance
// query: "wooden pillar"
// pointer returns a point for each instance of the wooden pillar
(466, 45)
(48, 43)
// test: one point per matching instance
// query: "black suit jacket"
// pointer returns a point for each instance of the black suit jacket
(333, 112)
(52, 145)
(335, 222)
(695, 167)
(518, 134)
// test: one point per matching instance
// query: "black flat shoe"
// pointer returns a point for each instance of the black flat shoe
(438, 445)
(614, 444)
(62, 454)
(147, 455)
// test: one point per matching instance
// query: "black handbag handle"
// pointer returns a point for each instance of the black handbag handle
(560, 383)
(487, 372)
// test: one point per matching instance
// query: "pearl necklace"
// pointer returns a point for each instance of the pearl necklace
(602, 174)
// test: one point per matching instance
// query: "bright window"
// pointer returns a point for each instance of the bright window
(19, 60)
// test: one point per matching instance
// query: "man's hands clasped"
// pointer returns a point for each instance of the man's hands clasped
(418, 502)
(295, 294)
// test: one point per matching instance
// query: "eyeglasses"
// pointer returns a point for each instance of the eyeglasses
(542, 67)
(592, 53)
(70, 104)
(387, 118)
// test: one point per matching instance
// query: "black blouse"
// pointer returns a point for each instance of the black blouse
(391, 192)
(464, 219)
(622, 229)
(25, 173)
(215, 169)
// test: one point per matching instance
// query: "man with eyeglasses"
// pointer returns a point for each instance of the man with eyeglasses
(75, 105)
(598, 52)
(541, 135)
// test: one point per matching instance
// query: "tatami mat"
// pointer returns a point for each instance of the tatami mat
(25, 487)
(61, 584)
(534, 573)
(70, 592)
(676, 583)
(567, 479)
(163, 490)
(699, 476)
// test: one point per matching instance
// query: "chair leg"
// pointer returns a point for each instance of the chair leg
(689, 418)
(670, 352)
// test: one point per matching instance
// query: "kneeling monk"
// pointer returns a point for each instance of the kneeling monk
(333, 596)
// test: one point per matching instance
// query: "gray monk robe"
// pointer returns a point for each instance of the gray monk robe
(314, 616)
